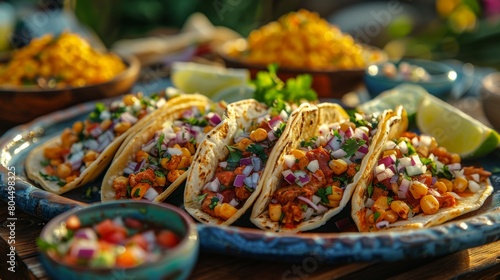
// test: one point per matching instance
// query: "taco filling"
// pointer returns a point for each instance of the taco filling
(414, 176)
(318, 171)
(237, 177)
(167, 156)
(82, 144)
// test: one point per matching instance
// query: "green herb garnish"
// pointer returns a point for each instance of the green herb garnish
(259, 151)
(233, 161)
(323, 193)
(213, 203)
(351, 145)
(200, 198)
(370, 190)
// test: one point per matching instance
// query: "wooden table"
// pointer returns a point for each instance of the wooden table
(476, 263)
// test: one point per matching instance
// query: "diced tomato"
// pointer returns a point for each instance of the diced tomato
(111, 232)
(126, 259)
(132, 223)
(167, 239)
(139, 240)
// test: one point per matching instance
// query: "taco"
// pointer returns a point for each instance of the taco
(415, 184)
(82, 152)
(230, 167)
(156, 159)
(319, 167)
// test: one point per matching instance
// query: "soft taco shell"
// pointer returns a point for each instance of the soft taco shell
(213, 149)
(465, 204)
(34, 158)
(308, 127)
(144, 135)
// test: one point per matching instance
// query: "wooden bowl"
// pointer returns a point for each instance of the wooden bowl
(23, 104)
(328, 83)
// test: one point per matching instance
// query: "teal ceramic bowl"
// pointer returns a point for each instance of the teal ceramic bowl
(177, 263)
(441, 77)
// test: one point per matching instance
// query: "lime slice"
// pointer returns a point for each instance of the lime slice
(407, 95)
(455, 130)
(192, 77)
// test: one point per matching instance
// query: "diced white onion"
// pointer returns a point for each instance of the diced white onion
(475, 177)
(289, 160)
(151, 194)
(474, 186)
(425, 140)
(403, 147)
(379, 168)
(313, 166)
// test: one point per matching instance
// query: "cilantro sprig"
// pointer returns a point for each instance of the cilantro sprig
(351, 145)
(271, 90)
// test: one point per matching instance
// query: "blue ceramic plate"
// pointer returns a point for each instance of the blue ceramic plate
(335, 242)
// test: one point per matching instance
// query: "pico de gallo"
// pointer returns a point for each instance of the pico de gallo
(237, 177)
(81, 145)
(416, 176)
(121, 242)
(317, 172)
(168, 155)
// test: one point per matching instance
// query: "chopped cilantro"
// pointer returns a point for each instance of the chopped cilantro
(357, 119)
(137, 192)
(323, 193)
(153, 161)
(282, 217)
(95, 115)
(280, 130)
(159, 173)
(303, 207)
(308, 143)
(213, 203)
(270, 89)
(426, 161)
(45, 245)
(248, 188)
(159, 143)
(376, 215)
(351, 145)
(129, 190)
(381, 186)
(233, 161)
(411, 149)
(52, 178)
(370, 190)
(389, 200)
(45, 162)
(118, 112)
(195, 122)
(201, 197)
(445, 173)
(259, 151)
(344, 179)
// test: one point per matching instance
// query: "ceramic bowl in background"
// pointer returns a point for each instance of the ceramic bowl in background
(490, 98)
(328, 83)
(175, 263)
(440, 81)
(23, 104)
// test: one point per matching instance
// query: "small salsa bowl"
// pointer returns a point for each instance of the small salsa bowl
(436, 77)
(175, 262)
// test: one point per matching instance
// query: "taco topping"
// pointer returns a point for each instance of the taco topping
(317, 173)
(237, 177)
(416, 176)
(163, 159)
(82, 144)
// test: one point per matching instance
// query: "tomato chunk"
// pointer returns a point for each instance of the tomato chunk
(167, 239)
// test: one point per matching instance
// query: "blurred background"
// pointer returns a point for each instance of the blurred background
(467, 30)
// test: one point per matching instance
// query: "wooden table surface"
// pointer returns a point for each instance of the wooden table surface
(476, 263)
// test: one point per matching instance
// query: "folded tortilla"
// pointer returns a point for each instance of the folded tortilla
(160, 135)
(368, 217)
(105, 142)
(242, 117)
(311, 124)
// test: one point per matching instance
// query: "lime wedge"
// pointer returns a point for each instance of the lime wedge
(407, 95)
(455, 130)
(192, 77)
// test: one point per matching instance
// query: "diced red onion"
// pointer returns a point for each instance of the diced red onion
(434, 180)
(239, 180)
(403, 188)
(309, 202)
(274, 122)
(321, 209)
(339, 153)
(381, 176)
(214, 119)
(289, 160)
(85, 253)
(86, 233)
(454, 166)
(386, 161)
(103, 145)
(76, 160)
(392, 168)
(403, 147)
(382, 224)
(220, 197)
(234, 202)
(96, 131)
(150, 237)
(394, 178)
(247, 170)
(215, 185)
(348, 132)
(147, 147)
(271, 136)
(313, 165)
(389, 145)
(91, 144)
(334, 143)
(127, 117)
(182, 136)
(246, 161)
(248, 182)
(302, 180)
(139, 165)
(223, 164)
(289, 176)
(363, 149)
(151, 194)
(257, 164)
(255, 179)
(415, 160)
(343, 223)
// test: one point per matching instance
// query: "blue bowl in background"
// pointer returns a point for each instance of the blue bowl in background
(177, 263)
(442, 78)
